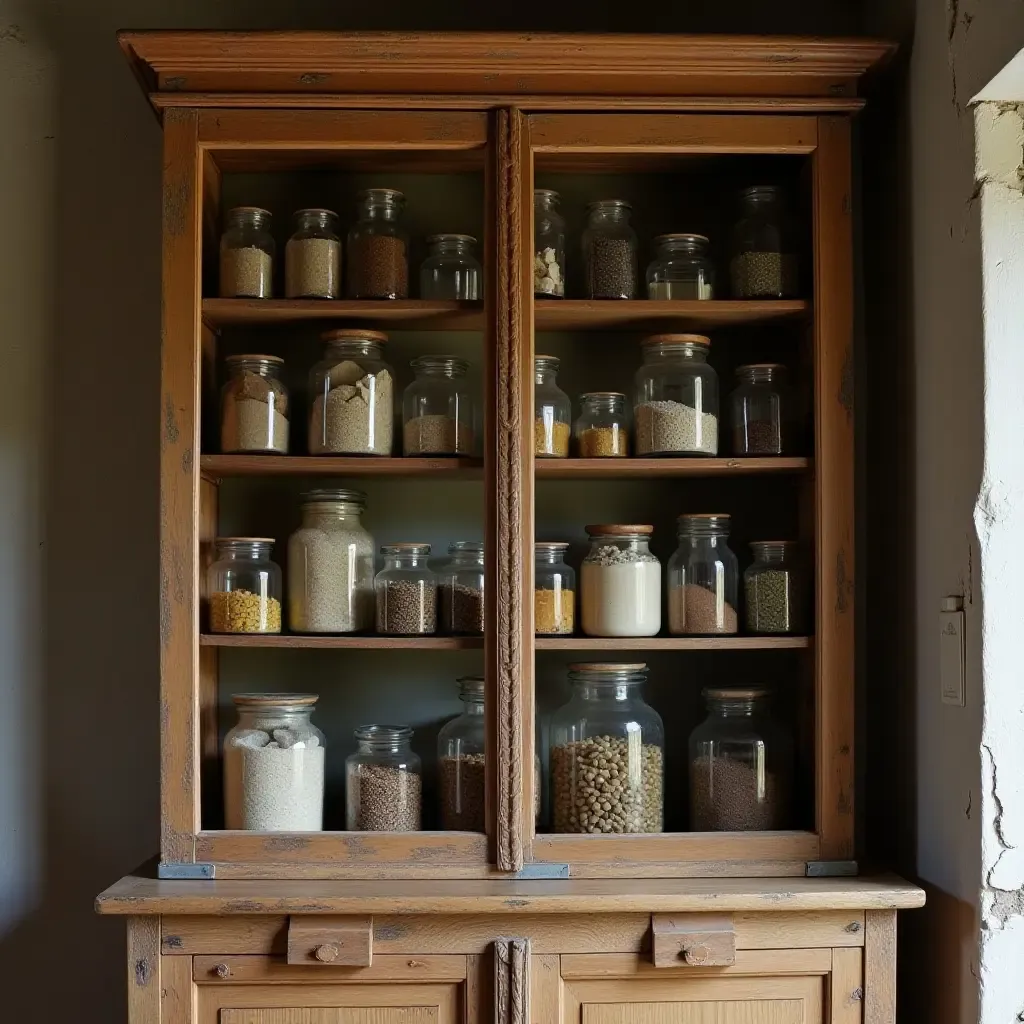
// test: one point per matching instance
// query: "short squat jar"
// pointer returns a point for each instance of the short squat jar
(554, 594)
(681, 268)
(740, 764)
(703, 578)
(773, 588)
(244, 586)
(406, 591)
(462, 589)
(247, 254)
(606, 753)
(620, 582)
(548, 245)
(312, 256)
(609, 251)
(437, 408)
(451, 269)
(552, 411)
(761, 410)
(378, 247)
(675, 406)
(383, 791)
(274, 765)
(764, 261)
(460, 762)
(254, 406)
(602, 429)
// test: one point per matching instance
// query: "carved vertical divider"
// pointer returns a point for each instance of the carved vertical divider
(511, 981)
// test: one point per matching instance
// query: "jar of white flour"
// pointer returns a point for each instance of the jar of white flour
(620, 583)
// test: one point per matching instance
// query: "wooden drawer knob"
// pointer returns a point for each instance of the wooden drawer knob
(326, 952)
(696, 955)
(222, 971)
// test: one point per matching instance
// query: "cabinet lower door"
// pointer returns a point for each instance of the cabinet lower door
(334, 1015)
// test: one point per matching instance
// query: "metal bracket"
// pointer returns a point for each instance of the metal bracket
(184, 871)
(542, 870)
(831, 868)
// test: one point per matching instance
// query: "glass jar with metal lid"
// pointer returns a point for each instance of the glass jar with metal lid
(740, 764)
(764, 247)
(552, 410)
(330, 565)
(620, 582)
(451, 269)
(703, 578)
(247, 254)
(602, 428)
(462, 589)
(254, 406)
(312, 256)
(437, 408)
(383, 790)
(406, 591)
(761, 410)
(773, 588)
(548, 245)
(676, 402)
(460, 760)
(243, 586)
(554, 593)
(606, 753)
(681, 268)
(378, 247)
(609, 250)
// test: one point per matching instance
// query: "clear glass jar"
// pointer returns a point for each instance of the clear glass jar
(312, 256)
(274, 765)
(437, 408)
(330, 565)
(383, 791)
(761, 410)
(462, 589)
(460, 760)
(609, 251)
(451, 269)
(703, 578)
(773, 588)
(681, 268)
(254, 406)
(554, 590)
(740, 765)
(247, 254)
(353, 410)
(602, 429)
(764, 247)
(620, 583)
(552, 410)
(606, 753)
(548, 245)
(378, 247)
(243, 586)
(675, 411)
(406, 591)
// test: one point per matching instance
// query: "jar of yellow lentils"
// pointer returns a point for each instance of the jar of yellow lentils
(244, 587)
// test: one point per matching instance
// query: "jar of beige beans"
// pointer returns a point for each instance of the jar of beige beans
(620, 582)
(607, 753)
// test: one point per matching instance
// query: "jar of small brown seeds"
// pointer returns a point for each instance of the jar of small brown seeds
(460, 761)
(383, 791)
(378, 247)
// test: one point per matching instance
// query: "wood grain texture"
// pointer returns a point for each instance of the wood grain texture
(333, 1015)
(364, 643)
(223, 969)
(671, 643)
(392, 1004)
(658, 314)
(880, 967)
(512, 980)
(846, 989)
(315, 940)
(219, 467)
(649, 469)
(478, 1007)
(579, 966)
(209, 667)
(394, 314)
(177, 993)
(144, 970)
(545, 989)
(697, 940)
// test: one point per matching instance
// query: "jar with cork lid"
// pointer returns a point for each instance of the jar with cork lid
(552, 410)
(602, 428)
(254, 406)
(703, 577)
(378, 247)
(620, 582)
(312, 256)
(383, 790)
(244, 586)
(554, 594)
(247, 254)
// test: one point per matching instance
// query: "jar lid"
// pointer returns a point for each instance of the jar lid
(606, 529)
(262, 700)
(249, 209)
(622, 204)
(314, 209)
(549, 545)
(748, 367)
(473, 546)
(704, 515)
(681, 236)
(254, 358)
(244, 540)
(451, 237)
(676, 339)
(601, 394)
(538, 357)
(547, 193)
(608, 666)
(471, 684)
(781, 543)
(382, 732)
(381, 193)
(330, 494)
(406, 547)
(353, 334)
(753, 190)
(735, 692)
(452, 363)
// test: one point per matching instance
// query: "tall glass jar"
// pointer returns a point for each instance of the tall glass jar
(761, 410)
(437, 408)
(548, 245)
(330, 565)
(462, 589)
(609, 251)
(606, 753)
(247, 254)
(451, 269)
(378, 247)
(764, 247)
(602, 429)
(552, 410)
(740, 765)
(703, 578)
(383, 791)
(554, 593)
(773, 588)
(681, 268)
(244, 586)
(676, 403)
(312, 257)
(406, 591)
(353, 410)
(274, 765)
(254, 406)
(621, 582)
(460, 760)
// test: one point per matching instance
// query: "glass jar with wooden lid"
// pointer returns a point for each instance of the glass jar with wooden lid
(620, 582)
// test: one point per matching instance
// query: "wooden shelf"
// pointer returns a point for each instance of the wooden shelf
(651, 314)
(364, 643)
(634, 468)
(397, 314)
(672, 643)
(216, 467)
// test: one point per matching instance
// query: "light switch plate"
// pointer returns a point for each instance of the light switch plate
(952, 660)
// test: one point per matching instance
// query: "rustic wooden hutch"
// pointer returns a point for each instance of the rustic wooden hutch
(516, 923)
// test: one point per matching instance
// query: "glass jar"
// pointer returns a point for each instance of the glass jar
(681, 268)
(554, 590)
(353, 411)
(406, 591)
(460, 760)
(606, 748)
(462, 589)
(312, 256)
(761, 410)
(330, 565)
(609, 251)
(703, 578)
(451, 269)
(676, 405)
(274, 765)
(254, 406)
(548, 245)
(437, 408)
(552, 410)
(244, 586)
(383, 791)
(764, 262)
(247, 254)
(378, 247)
(740, 765)
(621, 583)
(602, 429)
(773, 588)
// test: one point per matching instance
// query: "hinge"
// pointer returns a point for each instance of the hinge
(541, 870)
(184, 871)
(830, 868)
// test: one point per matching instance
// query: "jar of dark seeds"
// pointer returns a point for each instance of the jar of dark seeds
(378, 247)
(462, 589)
(312, 257)
(247, 254)
(764, 247)
(740, 765)
(383, 791)
(609, 251)
(773, 588)
(460, 761)
(406, 590)
(437, 408)
(761, 410)
(703, 578)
